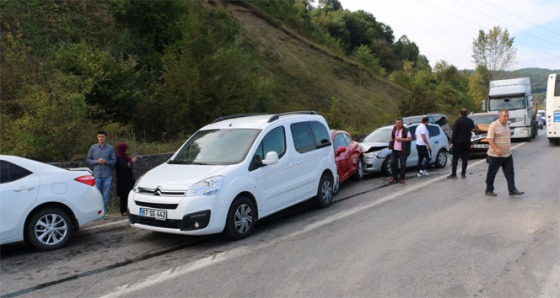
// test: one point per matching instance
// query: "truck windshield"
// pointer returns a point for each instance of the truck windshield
(509, 103)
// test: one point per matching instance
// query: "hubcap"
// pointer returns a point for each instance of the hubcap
(326, 191)
(243, 218)
(51, 229)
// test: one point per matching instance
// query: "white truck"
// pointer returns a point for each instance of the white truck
(515, 96)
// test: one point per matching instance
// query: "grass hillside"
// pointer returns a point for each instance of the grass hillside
(312, 78)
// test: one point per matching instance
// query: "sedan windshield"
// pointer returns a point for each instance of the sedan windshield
(217, 147)
(380, 135)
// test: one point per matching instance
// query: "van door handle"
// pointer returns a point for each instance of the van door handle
(299, 162)
(288, 165)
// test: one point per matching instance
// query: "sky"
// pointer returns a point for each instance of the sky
(445, 29)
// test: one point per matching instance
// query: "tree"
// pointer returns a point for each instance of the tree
(494, 50)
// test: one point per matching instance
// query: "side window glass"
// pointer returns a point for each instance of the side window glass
(321, 134)
(303, 137)
(339, 141)
(10, 172)
(347, 139)
(413, 132)
(275, 140)
(433, 130)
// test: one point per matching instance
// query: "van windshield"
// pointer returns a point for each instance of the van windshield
(217, 147)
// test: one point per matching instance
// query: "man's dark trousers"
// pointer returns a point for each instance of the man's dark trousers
(463, 151)
(494, 164)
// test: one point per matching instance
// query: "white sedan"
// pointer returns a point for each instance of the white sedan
(44, 205)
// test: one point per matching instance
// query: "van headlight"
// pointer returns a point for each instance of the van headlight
(206, 187)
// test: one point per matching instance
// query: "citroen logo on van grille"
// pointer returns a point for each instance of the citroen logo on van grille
(158, 191)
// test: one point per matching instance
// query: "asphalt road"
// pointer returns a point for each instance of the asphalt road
(430, 237)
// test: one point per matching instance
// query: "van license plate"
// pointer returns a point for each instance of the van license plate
(153, 213)
(481, 146)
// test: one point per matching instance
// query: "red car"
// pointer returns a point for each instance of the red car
(348, 157)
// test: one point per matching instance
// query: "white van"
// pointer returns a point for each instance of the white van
(234, 171)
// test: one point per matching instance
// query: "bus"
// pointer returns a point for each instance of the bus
(553, 109)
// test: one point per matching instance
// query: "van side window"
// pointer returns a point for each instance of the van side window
(322, 137)
(302, 134)
(275, 140)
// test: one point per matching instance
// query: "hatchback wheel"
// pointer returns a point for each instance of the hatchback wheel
(240, 219)
(324, 196)
(441, 159)
(386, 167)
(359, 174)
(49, 229)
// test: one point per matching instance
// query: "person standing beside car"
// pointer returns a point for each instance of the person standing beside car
(125, 176)
(461, 143)
(499, 155)
(423, 147)
(102, 158)
(400, 138)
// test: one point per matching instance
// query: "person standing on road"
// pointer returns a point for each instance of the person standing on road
(400, 137)
(461, 143)
(423, 147)
(125, 177)
(102, 157)
(499, 155)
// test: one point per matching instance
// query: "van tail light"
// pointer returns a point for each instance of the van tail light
(87, 179)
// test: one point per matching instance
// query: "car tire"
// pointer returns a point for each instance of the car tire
(324, 197)
(441, 159)
(359, 174)
(386, 168)
(241, 218)
(49, 229)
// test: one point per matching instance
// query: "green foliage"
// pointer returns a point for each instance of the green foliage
(494, 50)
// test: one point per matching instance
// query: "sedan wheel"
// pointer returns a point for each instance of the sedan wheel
(49, 229)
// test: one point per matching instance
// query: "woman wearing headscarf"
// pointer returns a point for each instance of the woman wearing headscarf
(125, 177)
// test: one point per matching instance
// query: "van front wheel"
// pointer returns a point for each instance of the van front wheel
(240, 219)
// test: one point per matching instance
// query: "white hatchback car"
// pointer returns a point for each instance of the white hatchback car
(43, 204)
(234, 171)
(377, 155)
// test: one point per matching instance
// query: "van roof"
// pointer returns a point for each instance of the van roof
(255, 120)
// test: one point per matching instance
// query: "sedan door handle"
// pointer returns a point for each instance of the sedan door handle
(24, 188)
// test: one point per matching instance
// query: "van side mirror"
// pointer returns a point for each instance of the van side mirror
(271, 158)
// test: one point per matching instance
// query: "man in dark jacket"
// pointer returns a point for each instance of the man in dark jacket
(461, 143)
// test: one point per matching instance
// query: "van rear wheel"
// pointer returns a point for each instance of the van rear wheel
(324, 196)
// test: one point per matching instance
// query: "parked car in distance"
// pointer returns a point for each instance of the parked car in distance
(235, 171)
(438, 119)
(348, 156)
(377, 155)
(541, 118)
(479, 143)
(44, 205)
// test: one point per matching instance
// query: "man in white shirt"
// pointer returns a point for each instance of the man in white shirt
(423, 147)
